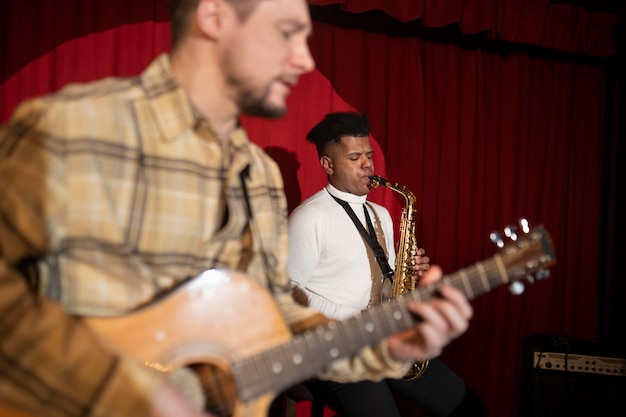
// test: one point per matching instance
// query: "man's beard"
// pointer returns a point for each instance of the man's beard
(258, 105)
(249, 101)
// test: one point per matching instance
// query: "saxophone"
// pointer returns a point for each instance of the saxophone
(405, 276)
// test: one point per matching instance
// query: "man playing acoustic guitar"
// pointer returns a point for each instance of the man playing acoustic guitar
(114, 192)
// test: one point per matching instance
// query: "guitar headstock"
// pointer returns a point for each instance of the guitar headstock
(526, 252)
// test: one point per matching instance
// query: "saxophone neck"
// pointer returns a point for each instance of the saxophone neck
(377, 181)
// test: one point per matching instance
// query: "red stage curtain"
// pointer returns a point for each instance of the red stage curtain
(482, 138)
(534, 22)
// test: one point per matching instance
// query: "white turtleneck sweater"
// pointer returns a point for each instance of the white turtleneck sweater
(328, 258)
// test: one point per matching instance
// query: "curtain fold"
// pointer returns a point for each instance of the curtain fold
(565, 28)
(481, 137)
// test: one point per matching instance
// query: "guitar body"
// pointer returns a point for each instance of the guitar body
(202, 322)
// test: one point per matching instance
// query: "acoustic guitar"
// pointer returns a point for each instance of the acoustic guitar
(227, 320)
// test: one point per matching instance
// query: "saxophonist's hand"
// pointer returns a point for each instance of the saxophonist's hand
(442, 319)
(421, 263)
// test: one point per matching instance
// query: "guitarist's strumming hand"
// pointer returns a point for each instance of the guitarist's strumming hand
(168, 402)
(443, 319)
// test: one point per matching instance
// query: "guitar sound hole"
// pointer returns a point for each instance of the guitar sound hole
(219, 388)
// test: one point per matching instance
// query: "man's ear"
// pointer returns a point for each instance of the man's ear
(210, 17)
(327, 164)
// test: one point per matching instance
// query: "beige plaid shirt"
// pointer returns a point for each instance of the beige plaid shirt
(118, 190)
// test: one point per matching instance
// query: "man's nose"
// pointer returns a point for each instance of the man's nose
(303, 59)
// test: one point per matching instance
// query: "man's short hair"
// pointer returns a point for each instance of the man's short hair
(336, 125)
(180, 12)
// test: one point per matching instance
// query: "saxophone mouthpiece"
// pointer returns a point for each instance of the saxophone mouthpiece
(376, 181)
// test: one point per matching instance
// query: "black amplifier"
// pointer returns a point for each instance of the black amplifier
(573, 378)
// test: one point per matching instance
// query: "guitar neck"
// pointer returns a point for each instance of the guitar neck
(308, 353)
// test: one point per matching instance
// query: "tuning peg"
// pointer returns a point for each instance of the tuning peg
(511, 232)
(524, 225)
(516, 287)
(542, 274)
(496, 237)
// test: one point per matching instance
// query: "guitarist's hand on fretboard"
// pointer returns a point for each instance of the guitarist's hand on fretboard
(441, 320)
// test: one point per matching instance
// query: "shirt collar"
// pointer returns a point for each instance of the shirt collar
(171, 108)
(342, 195)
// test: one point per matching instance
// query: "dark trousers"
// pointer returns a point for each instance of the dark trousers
(439, 391)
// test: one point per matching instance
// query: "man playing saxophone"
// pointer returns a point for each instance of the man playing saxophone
(340, 268)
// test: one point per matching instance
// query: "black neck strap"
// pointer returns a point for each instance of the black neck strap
(370, 237)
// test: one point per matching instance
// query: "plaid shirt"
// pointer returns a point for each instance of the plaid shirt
(119, 190)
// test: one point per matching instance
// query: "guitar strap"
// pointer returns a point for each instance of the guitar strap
(370, 237)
